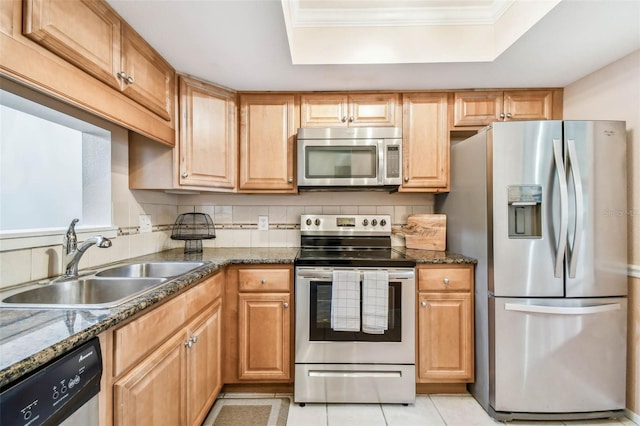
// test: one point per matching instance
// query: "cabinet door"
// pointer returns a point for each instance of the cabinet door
(477, 108)
(373, 110)
(528, 105)
(324, 110)
(268, 125)
(85, 33)
(150, 80)
(151, 393)
(426, 142)
(445, 337)
(204, 378)
(208, 135)
(264, 327)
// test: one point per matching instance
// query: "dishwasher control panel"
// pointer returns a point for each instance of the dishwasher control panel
(54, 392)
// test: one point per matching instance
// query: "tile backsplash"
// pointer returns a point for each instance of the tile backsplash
(235, 218)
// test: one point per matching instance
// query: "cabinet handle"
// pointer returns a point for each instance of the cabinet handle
(122, 75)
(194, 339)
(502, 115)
(263, 281)
(351, 118)
(188, 344)
(285, 304)
(423, 304)
(508, 115)
(290, 180)
(129, 80)
(344, 119)
(185, 174)
(446, 280)
(406, 178)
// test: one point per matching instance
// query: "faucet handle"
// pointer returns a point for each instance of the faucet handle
(70, 240)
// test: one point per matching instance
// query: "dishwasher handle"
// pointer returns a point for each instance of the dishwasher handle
(328, 275)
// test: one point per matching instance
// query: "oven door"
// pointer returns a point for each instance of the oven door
(316, 342)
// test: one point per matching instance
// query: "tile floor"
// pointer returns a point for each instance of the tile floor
(436, 410)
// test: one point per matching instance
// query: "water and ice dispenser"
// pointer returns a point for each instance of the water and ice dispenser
(525, 211)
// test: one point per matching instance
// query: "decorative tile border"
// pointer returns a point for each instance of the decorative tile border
(134, 230)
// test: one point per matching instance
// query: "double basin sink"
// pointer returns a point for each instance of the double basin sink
(107, 288)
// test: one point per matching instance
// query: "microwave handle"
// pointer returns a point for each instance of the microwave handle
(382, 159)
(328, 276)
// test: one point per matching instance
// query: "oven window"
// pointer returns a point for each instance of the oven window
(320, 316)
(341, 162)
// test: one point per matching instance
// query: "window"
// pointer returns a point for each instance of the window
(53, 168)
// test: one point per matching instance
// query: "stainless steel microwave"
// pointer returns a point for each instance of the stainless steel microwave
(349, 158)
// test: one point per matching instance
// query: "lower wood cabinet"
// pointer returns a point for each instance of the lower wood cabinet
(258, 324)
(445, 345)
(177, 381)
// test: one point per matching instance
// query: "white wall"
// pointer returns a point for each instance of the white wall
(613, 92)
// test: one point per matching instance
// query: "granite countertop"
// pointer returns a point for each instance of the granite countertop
(29, 338)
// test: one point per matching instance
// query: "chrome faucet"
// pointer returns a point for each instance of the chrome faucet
(71, 253)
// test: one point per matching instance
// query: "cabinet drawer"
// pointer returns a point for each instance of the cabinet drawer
(264, 280)
(443, 279)
(138, 337)
(204, 293)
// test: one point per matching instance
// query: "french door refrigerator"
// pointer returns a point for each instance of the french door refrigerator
(542, 206)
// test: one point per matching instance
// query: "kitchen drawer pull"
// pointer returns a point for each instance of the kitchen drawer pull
(445, 281)
(263, 281)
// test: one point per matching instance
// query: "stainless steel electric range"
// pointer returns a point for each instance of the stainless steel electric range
(355, 312)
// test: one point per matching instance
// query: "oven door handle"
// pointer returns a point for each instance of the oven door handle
(328, 276)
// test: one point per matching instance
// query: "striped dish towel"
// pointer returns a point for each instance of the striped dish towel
(375, 302)
(345, 301)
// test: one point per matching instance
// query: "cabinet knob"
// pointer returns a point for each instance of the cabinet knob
(263, 281)
(194, 339)
(285, 304)
(423, 304)
(188, 344)
(129, 80)
(502, 115)
(344, 119)
(122, 75)
(508, 115)
(290, 180)
(446, 280)
(406, 178)
(351, 119)
(185, 174)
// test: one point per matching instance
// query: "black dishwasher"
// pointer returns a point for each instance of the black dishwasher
(55, 391)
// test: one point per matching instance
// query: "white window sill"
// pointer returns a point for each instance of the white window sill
(18, 240)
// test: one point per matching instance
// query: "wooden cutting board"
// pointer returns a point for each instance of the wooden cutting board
(426, 232)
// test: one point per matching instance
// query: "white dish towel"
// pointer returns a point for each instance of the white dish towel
(375, 302)
(345, 301)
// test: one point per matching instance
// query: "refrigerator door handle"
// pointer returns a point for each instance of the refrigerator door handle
(577, 183)
(562, 310)
(564, 208)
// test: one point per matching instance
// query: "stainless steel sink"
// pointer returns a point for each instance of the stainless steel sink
(88, 293)
(150, 269)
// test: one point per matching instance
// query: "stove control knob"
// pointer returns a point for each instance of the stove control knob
(374, 222)
(309, 222)
(383, 222)
(365, 222)
(317, 222)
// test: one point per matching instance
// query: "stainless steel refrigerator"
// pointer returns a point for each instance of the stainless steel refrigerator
(542, 206)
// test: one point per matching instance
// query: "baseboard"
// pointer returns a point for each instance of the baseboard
(258, 388)
(633, 416)
(430, 388)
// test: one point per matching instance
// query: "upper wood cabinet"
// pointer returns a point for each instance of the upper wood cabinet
(208, 135)
(268, 125)
(90, 35)
(425, 143)
(481, 108)
(351, 110)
